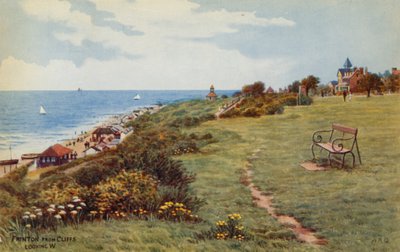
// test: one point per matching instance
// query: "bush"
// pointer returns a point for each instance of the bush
(48, 173)
(176, 211)
(183, 147)
(273, 108)
(190, 121)
(93, 173)
(59, 193)
(207, 136)
(231, 113)
(18, 174)
(123, 193)
(9, 207)
(169, 193)
(13, 188)
(165, 169)
(289, 100)
(251, 112)
(224, 230)
(305, 100)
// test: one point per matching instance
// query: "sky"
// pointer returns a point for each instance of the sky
(182, 44)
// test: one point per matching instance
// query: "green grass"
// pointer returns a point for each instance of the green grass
(356, 210)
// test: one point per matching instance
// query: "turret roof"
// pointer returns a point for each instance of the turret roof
(347, 64)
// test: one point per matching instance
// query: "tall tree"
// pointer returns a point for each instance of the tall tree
(247, 90)
(294, 87)
(371, 82)
(258, 89)
(310, 83)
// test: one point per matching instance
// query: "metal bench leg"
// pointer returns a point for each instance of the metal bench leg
(329, 158)
(354, 158)
(343, 158)
(358, 152)
(312, 150)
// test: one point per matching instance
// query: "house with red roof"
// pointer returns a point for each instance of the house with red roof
(55, 155)
(212, 96)
(395, 71)
(270, 90)
(349, 77)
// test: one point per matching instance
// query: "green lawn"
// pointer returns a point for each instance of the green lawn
(355, 210)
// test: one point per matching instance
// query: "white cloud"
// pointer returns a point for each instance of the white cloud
(181, 18)
(170, 59)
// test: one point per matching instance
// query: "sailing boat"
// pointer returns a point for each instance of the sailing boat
(137, 97)
(42, 111)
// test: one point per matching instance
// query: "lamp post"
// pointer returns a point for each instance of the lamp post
(10, 157)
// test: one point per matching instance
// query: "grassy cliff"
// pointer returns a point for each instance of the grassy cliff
(354, 209)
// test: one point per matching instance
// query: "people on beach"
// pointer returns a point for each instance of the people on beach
(350, 96)
(344, 95)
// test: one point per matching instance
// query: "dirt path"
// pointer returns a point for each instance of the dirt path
(265, 201)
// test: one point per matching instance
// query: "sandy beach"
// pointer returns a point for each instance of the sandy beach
(77, 144)
(7, 168)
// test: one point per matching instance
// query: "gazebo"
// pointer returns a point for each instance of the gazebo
(55, 155)
(212, 96)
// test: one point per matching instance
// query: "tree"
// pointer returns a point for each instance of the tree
(370, 82)
(294, 87)
(310, 83)
(258, 89)
(392, 83)
(247, 90)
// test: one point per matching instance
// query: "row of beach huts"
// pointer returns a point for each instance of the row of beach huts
(102, 138)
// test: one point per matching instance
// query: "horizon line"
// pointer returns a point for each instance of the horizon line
(76, 90)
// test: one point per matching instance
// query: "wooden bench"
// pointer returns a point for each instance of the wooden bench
(340, 140)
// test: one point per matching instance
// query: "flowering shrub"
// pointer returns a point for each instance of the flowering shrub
(227, 229)
(273, 108)
(58, 195)
(122, 194)
(53, 215)
(183, 150)
(176, 212)
(126, 195)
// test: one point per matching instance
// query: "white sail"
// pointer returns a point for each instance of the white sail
(42, 110)
(137, 97)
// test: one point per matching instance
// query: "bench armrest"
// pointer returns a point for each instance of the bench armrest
(317, 136)
(337, 144)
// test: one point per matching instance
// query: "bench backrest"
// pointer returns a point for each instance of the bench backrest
(344, 129)
(339, 131)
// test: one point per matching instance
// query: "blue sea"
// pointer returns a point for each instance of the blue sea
(68, 113)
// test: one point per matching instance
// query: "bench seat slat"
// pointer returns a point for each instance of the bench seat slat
(328, 147)
(343, 128)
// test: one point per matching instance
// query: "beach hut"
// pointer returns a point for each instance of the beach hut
(55, 155)
(101, 132)
(91, 151)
